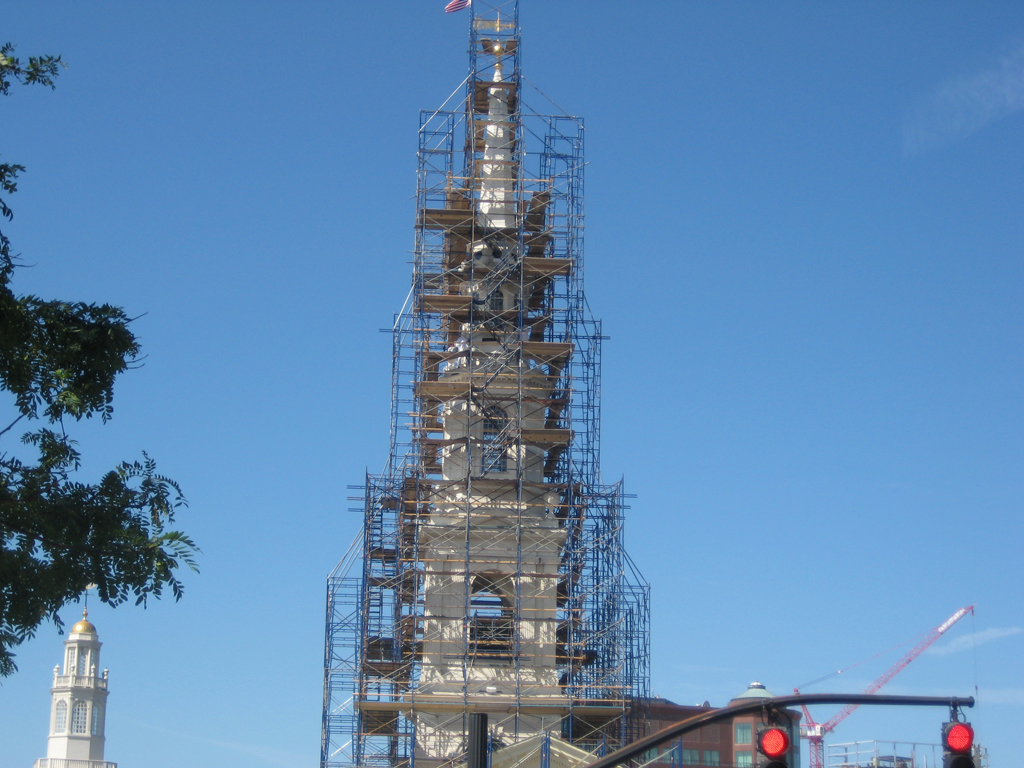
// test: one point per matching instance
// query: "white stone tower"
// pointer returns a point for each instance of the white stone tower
(491, 577)
(490, 537)
(79, 703)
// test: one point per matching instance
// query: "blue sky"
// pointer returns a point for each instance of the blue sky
(804, 236)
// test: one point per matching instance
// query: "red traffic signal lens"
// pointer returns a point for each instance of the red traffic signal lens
(774, 742)
(959, 737)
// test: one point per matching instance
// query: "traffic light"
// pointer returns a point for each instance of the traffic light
(773, 743)
(957, 743)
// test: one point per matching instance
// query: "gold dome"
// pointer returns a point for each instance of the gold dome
(84, 626)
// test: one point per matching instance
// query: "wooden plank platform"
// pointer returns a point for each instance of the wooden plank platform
(445, 304)
(609, 708)
(543, 351)
(547, 437)
(443, 390)
(446, 218)
(545, 267)
(546, 350)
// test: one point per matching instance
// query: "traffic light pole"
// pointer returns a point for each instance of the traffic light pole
(771, 708)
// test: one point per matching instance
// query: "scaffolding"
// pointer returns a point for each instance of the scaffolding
(491, 575)
(893, 754)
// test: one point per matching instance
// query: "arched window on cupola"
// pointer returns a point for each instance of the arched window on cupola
(491, 619)
(97, 719)
(80, 717)
(60, 717)
(72, 661)
(83, 662)
(494, 456)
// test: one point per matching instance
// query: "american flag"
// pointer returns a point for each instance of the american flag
(456, 5)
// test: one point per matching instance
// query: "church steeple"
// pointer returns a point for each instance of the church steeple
(78, 703)
(493, 577)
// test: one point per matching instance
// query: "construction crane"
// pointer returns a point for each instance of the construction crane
(815, 732)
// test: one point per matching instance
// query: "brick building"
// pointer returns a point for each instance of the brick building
(728, 744)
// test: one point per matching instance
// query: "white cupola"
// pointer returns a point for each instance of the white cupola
(78, 703)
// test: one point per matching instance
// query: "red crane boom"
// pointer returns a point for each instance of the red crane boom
(815, 732)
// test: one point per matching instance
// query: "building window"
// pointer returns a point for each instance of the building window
(744, 758)
(494, 457)
(691, 757)
(97, 719)
(491, 621)
(83, 662)
(496, 301)
(79, 717)
(60, 717)
(69, 668)
(712, 757)
(743, 733)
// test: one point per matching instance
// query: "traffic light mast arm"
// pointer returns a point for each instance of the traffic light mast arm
(779, 702)
(895, 669)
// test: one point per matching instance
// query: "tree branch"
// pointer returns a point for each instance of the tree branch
(9, 426)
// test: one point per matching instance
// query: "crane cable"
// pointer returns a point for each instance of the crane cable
(865, 661)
